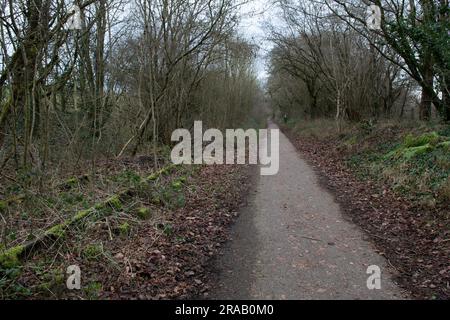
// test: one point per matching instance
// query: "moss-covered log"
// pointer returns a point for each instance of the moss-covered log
(414, 146)
(11, 257)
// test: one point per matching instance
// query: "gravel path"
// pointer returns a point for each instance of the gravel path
(292, 242)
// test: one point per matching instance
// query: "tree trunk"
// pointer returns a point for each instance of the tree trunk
(427, 86)
(446, 102)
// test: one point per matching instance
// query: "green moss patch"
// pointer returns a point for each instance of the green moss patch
(72, 182)
(124, 229)
(416, 166)
(431, 138)
(144, 213)
(92, 251)
(114, 202)
(411, 152)
(57, 231)
(177, 185)
(445, 145)
(413, 146)
(10, 258)
(81, 215)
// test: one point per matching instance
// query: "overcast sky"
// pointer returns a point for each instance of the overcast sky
(255, 15)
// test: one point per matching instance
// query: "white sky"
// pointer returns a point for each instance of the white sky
(255, 15)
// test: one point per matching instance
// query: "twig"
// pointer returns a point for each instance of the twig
(109, 229)
(9, 178)
(309, 238)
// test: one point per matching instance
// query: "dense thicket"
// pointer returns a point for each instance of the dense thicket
(132, 73)
(329, 60)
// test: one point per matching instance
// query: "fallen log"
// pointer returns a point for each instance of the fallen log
(12, 257)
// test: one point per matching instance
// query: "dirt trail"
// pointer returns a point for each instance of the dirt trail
(292, 242)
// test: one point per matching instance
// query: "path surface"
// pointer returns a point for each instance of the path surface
(292, 242)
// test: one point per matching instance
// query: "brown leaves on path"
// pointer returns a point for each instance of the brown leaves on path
(414, 240)
(169, 260)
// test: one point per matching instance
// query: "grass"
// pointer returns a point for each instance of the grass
(100, 223)
(93, 251)
(144, 213)
(413, 158)
(415, 166)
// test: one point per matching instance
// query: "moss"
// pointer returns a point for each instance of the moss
(93, 290)
(166, 170)
(57, 231)
(177, 185)
(124, 229)
(99, 206)
(409, 153)
(93, 251)
(114, 202)
(10, 258)
(144, 213)
(58, 278)
(163, 171)
(52, 280)
(431, 138)
(445, 145)
(183, 179)
(156, 200)
(81, 215)
(153, 176)
(72, 182)
(413, 146)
